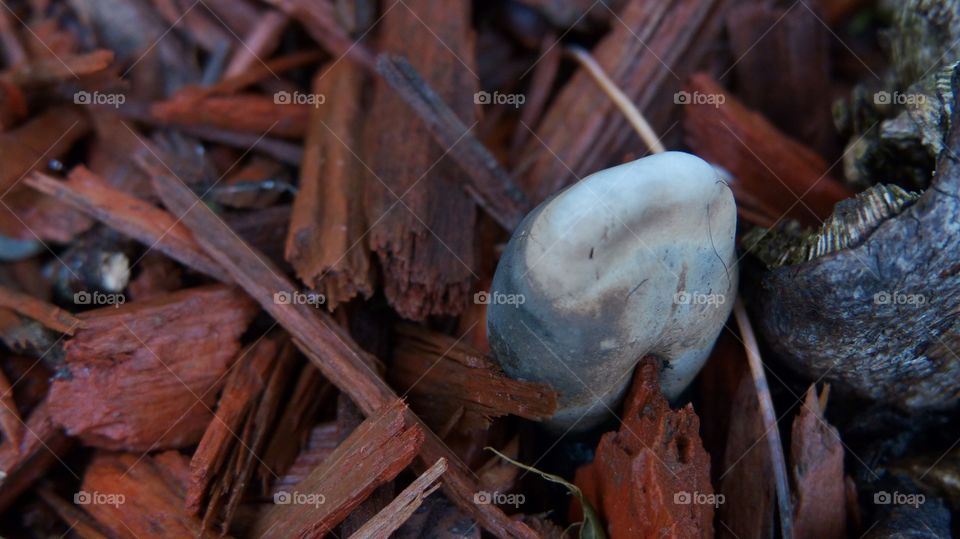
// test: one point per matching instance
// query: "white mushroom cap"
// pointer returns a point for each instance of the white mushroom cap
(634, 260)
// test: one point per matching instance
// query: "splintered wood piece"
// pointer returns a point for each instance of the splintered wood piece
(79, 521)
(260, 42)
(255, 73)
(399, 510)
(293, 428)
(542, 81)
(321, 442)
(128, 215)
(13, 105)
(143, 375)
(719, 382)
(379, 449)
(259, 115)
(768, 75)
(242, 388)
(772, 174)
(47, 136)
(323, 341)
(10, 422)
(648, 46)
(13, 51)
(258, 426)
(816, 457)
(485, 180)
(198, 24)
(60, 68)
(134, 497)
(25, 214)
(348, 419)
(422, 221)
(280, 150)
(746, 477)
(320, 21)
(326, 242)
(443, 375)
(43, 445)
(47, 314)
(652, 478)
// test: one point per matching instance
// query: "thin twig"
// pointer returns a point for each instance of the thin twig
(769, 419)
(620, 99)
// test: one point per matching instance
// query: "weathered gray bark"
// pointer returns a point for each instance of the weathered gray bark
(827, 317)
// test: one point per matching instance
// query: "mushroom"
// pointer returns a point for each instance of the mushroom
(633, 261)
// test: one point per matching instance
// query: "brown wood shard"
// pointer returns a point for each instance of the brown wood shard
(379, 449)
(779, 50)
(399, 510)
(211, 476)
(10, 422)
(326, 344)
(43, 444)
(142, 375)
(135, 497)
(770, 170)
(25, 214)
(49, 315)
(486, 181)
(747, 477)
(443, 377)
(652, 478)
(422, 220)
(60, 68)
(276, 115)
(326, 241)
(816, 457)
(128, 215)
(320, 21)
(583, 132)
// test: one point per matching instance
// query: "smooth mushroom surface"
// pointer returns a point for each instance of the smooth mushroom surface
(636, 260)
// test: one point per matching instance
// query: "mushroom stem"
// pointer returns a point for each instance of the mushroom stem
(620, 99)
